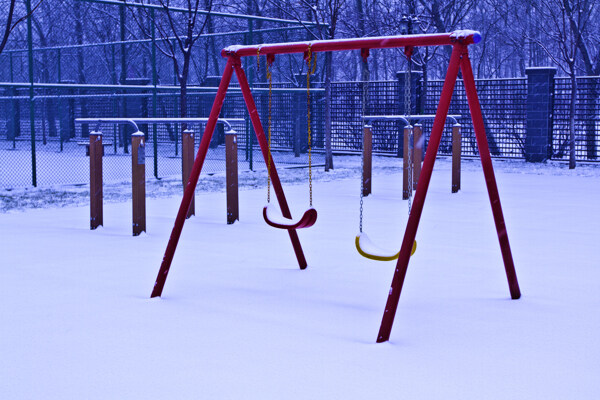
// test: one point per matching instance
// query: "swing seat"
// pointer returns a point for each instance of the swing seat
(277, 220)
(368, 249)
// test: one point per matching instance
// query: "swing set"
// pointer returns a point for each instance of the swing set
(459, 60)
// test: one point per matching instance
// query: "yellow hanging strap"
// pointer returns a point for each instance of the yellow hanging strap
(270, 78)
(312, 63)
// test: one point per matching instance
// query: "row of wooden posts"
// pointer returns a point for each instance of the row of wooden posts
(416, 148)
(138, 177)
(138, 171)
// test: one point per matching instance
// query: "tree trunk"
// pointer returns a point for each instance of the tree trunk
(183, 97)
(7, 29)
(211, 51)
(425, 86)
(48, 104)
(79, 41)
(590, 122)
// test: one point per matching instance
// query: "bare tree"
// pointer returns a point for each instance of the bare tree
(564, 21)
(586, 40)
(9, 25)
(326, 14)
(185, 28)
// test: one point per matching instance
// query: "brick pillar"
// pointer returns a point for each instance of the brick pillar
(540, 105)
(13, 115)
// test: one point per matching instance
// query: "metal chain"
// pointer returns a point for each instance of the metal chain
(407, 111)
(269, 123)
(365, 89)
(312, 62)
(257, 60)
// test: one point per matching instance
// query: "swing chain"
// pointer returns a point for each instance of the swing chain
(311, 61)
(270, 79)
(365, 91)
(407, 112)
(257, 60)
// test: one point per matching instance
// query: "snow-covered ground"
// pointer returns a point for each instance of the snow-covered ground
(239, 320)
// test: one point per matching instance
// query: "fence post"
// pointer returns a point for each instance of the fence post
(367, 159)
(540, 105)
(407, 147)
(417, 158)
(456, 154)
(138, 182)
(231, 168)
(96, 216)
(187, 161)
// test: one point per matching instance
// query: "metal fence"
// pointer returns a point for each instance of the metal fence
(54, 152)
(57, 151)
(57, 148)
(503, 104)
(346, 115)
(587, 124)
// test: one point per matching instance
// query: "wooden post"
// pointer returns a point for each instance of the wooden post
(456, 153)
(96, 216)
(367, 159)
(407, 147)
(138, 182)
(231, 168)
(417, 158)
(187, 161)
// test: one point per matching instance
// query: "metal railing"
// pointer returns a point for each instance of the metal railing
(135, 121)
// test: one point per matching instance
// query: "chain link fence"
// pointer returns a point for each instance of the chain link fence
(56, 146)
(587, 121)
(503, 105)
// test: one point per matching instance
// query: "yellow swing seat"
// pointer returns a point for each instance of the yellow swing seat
(368, 249)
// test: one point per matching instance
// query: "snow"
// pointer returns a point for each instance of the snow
(465, 33)
(233, 49)
(239, 320)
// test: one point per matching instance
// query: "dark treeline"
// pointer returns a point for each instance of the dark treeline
(517, 34)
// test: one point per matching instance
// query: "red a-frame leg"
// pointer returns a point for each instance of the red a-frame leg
(264, 147)
(488, 172)
(459, 58)
(193, 181)
(232, 63)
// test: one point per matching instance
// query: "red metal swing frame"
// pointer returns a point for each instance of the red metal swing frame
(459, 60)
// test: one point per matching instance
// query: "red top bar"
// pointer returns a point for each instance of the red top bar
(437, 39)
